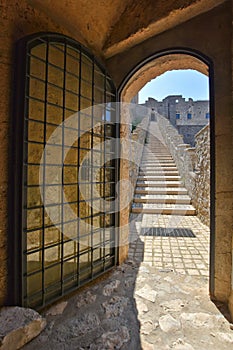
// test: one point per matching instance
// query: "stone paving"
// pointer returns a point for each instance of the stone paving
(157, 300)
(171, 249)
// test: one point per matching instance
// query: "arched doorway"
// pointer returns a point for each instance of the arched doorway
(156, 65)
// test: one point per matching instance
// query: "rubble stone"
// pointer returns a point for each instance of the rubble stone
(77, 326)
(197, 320)
(169, 324)
(111, 287)
(87, 298)
(173, 305)
(115, 306)
(19, 326)
(57, 309)
(112, 340)
(147, 293)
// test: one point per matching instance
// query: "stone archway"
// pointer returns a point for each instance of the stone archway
(155, 66)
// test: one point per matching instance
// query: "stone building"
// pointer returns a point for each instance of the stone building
(60, 57)
(189, 117)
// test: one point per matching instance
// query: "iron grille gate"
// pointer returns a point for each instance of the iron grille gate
(57, 80)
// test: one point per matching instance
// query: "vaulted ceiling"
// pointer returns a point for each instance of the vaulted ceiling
(111, 26)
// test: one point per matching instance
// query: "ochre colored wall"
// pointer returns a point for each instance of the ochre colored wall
(17, 20)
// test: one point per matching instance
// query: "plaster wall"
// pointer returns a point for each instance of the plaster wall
(209, 34)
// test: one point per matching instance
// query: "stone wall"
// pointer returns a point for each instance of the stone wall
(193, 164)
(131, 152)
(189, 132)
(201, 191)
(138, 137)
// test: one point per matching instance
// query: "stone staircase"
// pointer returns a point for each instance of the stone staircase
(159, 189)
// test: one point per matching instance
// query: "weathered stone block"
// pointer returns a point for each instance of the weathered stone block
(19, 326)
(57, 309)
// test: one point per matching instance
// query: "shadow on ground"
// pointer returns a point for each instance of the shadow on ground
(100, 316)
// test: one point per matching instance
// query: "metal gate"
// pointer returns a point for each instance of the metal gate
(64, 173)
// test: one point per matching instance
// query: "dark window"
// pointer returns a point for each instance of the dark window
(177, 115)
(189, 116)
(207, 115)
(68, 188)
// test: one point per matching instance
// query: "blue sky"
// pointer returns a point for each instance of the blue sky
(188, 83)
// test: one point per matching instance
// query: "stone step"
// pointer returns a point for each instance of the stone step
(162, 200)
(164, 209)
(160, 169)
(158, 178)
(154, 153)
(149, 148)
(158, 173)
(159, 184)
(156, 161)
(159, 155)
(151, 154)
(161, 146)
(159, 189)
(163, 191)
(158, 166)
(150, 168)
